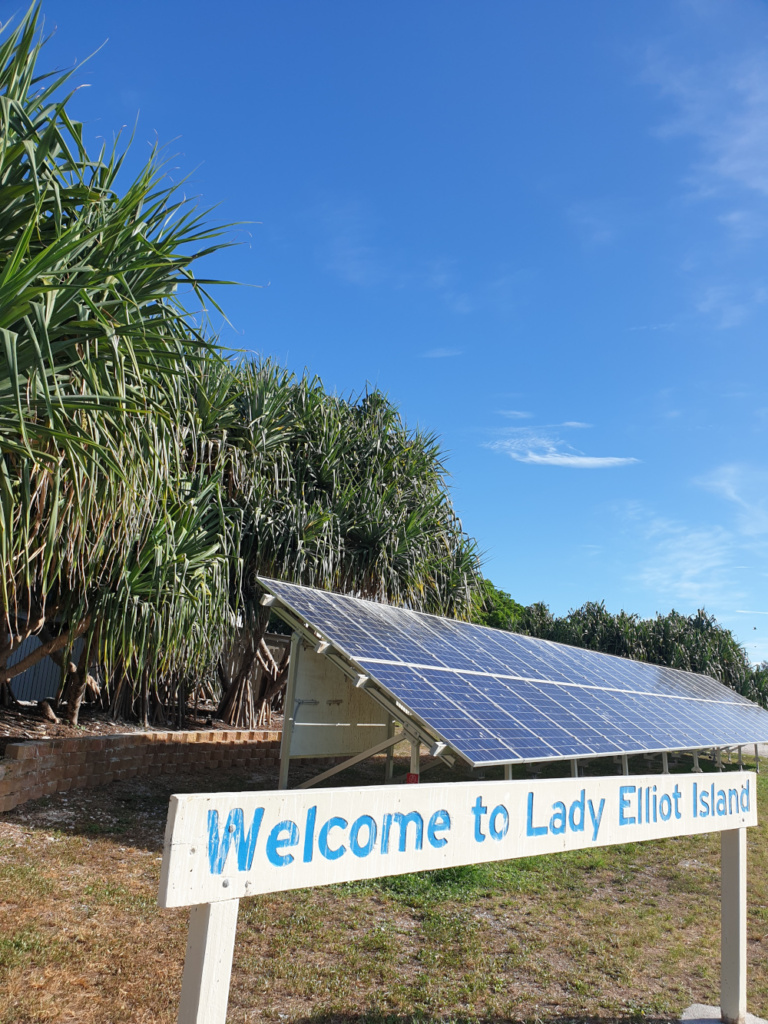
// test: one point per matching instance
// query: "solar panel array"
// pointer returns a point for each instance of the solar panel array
(497, 697)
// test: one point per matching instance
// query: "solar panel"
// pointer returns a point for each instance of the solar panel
(497, 697)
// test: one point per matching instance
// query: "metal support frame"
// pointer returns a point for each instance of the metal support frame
(397, 779)
(415, 756)
(388, 743)
(733, 926)
(664, 763)
(624, 764)
(290, 711)
(508, 772)
(397, 712)
(389, 767)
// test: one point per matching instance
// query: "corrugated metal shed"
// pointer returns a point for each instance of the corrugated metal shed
(41, 682)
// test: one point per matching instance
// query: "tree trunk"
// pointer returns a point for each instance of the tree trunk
(238, 705)
(78, 682)
(273, 686)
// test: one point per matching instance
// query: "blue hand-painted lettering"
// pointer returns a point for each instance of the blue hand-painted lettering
(479, 810)
(577, 807)
(234, 833)
(362, 849)
(559, 820)
(331, 853)
(439, 822)
(530, 828)
(624, 792)
(309, 834)
(498, 823)
(404, 820)
(596, 816)
(676, 794)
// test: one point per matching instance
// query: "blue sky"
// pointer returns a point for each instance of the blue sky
(540, 228)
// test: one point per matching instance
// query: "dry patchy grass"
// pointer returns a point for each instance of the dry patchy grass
(616, 933)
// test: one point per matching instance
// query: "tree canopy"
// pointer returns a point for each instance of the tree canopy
(146, 478)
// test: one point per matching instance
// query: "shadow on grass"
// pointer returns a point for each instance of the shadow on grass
(374, 1017)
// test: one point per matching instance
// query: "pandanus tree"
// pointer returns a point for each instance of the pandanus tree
(337, 493)
(146, 481)
(111, 522)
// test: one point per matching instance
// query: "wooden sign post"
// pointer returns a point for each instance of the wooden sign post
(222, 847)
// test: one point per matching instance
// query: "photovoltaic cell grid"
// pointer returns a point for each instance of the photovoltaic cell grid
(499, 697)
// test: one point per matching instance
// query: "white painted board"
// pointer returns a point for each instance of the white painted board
(331, 716)
(222, 846)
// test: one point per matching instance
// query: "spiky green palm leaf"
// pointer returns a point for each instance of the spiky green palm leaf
(99, 368)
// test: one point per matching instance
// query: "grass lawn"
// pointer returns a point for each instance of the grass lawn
(616, 933)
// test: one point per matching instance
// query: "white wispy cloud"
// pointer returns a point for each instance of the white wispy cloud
(689, 565)
(713, 564)
(683, 565)
(515, 414)
(721, 105)
(730, 305)
(745, 487)
(724, 104)
(744, 225)
(542, 446)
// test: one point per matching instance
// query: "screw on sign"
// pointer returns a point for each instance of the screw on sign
(220, 847)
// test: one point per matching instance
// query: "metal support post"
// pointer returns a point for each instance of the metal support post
(733, 926)
(574, 768)
(289, 711)
(741, 759)
(719, 759)
(386, 744)
(389, 767)
(624, 764)
(757, 760)
(208, 963)
(664, 762)
(415, 756)
(507, 772)
(696, 766)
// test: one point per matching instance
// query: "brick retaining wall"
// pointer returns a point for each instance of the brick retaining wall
(36, 768)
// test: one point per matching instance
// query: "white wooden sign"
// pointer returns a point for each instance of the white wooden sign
(224, 846)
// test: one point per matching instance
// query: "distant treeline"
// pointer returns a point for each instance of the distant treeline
(696, 643)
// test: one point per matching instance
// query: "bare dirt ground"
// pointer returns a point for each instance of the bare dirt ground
(621, 933)
(27, 722)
